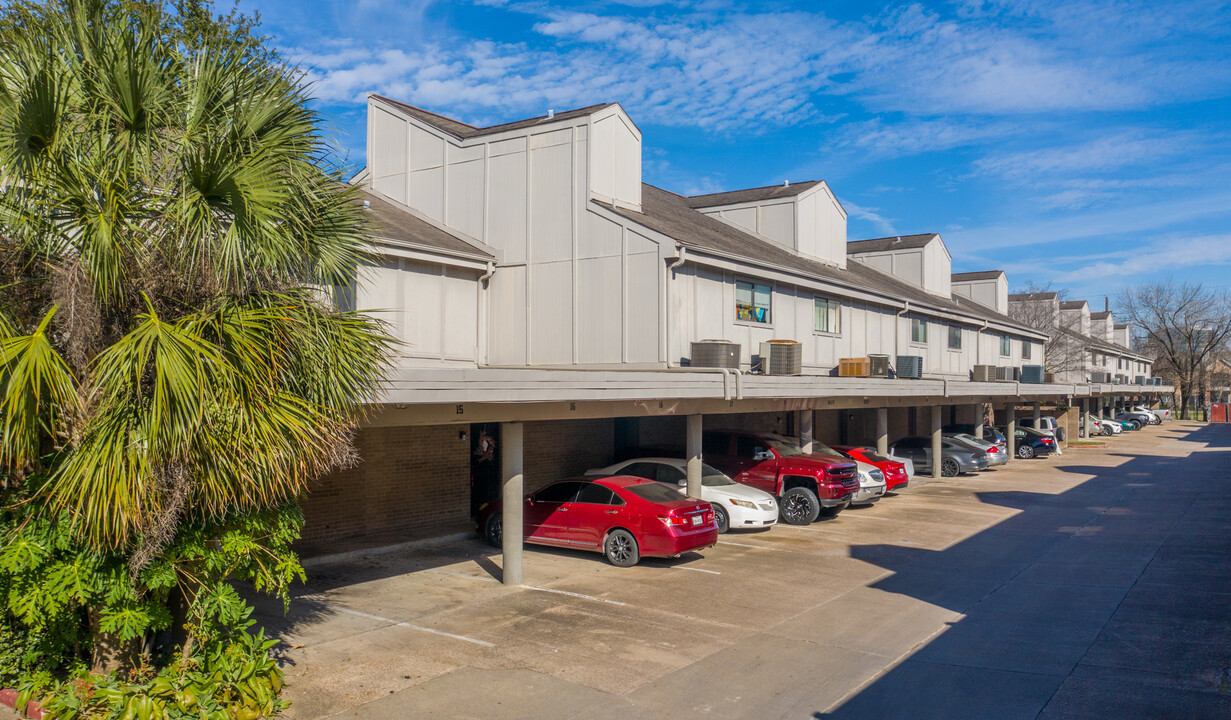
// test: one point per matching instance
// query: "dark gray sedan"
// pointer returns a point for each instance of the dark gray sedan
(954, 457)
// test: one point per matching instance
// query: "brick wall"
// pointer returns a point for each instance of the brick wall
(412, 482)
(558, 449)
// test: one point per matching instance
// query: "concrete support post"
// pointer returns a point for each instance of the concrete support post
(1038, 413)
(1085, 418)
(936, 457)
(978, 420)
(804, 423)
(1010, 429)
(511, 458)
(693, 450)
(882, 431)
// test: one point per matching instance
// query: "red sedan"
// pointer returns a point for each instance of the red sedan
(623, 517)
(894, 471)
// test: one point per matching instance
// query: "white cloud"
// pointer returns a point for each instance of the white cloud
(1125, 148)
(872, 215)
(910, 136)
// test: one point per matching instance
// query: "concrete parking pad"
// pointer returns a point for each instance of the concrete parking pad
(1091, 585)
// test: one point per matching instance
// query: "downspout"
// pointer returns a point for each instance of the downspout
(680, 252)
(896, 333)
(483, 340)
(979, 344)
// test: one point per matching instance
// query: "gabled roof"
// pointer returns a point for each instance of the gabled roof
(1033, 296)
(1117, 326)
(978, 275)
(899, 242)
(389, 221)
(734, 197)
(1102, 345)
(1073, 304)
(1101, 315)
(669, 214)
(463, 130)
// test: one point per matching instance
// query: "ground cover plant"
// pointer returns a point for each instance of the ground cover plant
(173, 371)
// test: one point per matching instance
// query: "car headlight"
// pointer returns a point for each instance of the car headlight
(742, 503)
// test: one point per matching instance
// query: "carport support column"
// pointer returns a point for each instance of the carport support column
(1010, 429)
(882, 431)
(694, 455)
(978, 420)
(936, 458)
(804, 422)
(1038, 413)
(511, 457)
(1085, 419)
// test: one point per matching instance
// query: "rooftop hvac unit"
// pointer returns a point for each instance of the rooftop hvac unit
(782, 357)
(854, 367)
(1139, 380)
(715, 353)
(1032, 374)
(1118, 379)
(1008, 374)
(985, 373)
(910, 366)
(1049, 378)
(878, 365)
(1100, 377)
(1156, 381)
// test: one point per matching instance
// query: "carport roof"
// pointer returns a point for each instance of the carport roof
(670, 214)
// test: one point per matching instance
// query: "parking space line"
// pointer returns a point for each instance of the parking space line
(573, 594)
(378, 618)
(462, 575)
(682, 567)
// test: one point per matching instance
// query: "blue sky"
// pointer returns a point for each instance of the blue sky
(1084, 144)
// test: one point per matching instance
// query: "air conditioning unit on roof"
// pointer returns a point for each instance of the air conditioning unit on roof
(715, 354)
(1008, 374)
(782, 357)
(985, 373)
(1139, 380)
(878, 365)
(1032, 374)
(854, 367)
(910, 366)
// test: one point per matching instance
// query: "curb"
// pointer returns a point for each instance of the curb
(8, 697)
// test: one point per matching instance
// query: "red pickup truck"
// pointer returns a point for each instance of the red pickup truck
(802, 483)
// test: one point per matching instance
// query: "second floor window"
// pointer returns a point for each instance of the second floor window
(1025, 350)
(826, 315)
(752, 302)
(955, 337)
(918, 330)
(1006, 347)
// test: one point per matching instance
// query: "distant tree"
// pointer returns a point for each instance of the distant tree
(1064, 350)
(1185, 325)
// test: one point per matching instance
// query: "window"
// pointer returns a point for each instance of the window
(640, 469)
(918, 330)
(955, 337)
(1026, 349)
(670, 475)
(748, 447)
(752, 302)
(718, 445)
(654, 492)
(595, 494)
(826, 315)
(1006, 348)
(558, 493)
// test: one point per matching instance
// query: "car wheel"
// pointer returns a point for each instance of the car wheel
(494, 532)
(1136, 424)
(1107, 431)
(949, 467)
(721, 517)
(1156, 420)
(621, 548)
(1025, 452)
(1061, 434)
(799, 506)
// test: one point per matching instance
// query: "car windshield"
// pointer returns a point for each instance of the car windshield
(655, 492)
(712, 477)
(784, 448)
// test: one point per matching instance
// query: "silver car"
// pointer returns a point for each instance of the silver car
(954, 457)
(995, 455)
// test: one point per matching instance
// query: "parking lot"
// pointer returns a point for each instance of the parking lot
(1095, 584)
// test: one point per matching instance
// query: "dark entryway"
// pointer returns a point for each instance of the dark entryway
(484, 465)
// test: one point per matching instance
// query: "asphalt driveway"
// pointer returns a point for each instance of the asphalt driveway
(1092, 585)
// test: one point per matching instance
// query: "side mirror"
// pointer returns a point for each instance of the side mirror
(763, 455)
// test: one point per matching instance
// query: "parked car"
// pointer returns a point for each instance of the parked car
(1162, 413)
(1136, 419)
(1100, 426)
(623, 517)
(1029, 443)
(995, 454)
(872, 483)
(1045, 424)
(735, 505)
(803, 484)
(1156, 416)
(989, 434)
(954, 457)
(894, 471)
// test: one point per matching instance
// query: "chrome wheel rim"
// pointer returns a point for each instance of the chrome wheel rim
(795, 508)
(948, 467)
(1024, 451)
(620, 548)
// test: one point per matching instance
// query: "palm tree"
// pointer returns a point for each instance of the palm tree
(169, 235)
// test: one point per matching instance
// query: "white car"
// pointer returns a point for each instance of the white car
(1156, 416)
(871, 484)
(907, 463)
(1104, 427)
(735, 506)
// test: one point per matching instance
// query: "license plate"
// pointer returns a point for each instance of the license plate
(696, 519)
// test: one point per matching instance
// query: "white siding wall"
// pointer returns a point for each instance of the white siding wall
(993, 293)
(812, 223)
(617, 160)
(431, 309)
(937, 269)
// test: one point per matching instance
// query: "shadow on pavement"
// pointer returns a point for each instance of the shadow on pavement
(1112, 599)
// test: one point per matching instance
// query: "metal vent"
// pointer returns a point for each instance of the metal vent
(782, 357)
(1008, 374)
(910, 366)
(715, 353)
(1032, 374)
(985, 373)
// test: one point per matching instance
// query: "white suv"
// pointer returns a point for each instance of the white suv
(1156, 416)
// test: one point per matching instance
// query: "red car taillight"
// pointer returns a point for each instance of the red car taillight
(1048, 441)
(993, 449)
(709, 516)
(671, 521)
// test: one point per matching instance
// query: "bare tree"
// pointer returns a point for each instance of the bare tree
(1185, 326)
(1039, 306)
